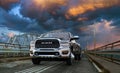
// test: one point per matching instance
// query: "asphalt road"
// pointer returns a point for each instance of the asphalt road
(26, 66)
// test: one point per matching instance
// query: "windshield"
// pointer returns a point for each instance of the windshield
(60, 35)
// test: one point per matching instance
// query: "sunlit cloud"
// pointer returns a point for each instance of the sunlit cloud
(103, 26)
(104, 33)
(90, 5)
(47, 4)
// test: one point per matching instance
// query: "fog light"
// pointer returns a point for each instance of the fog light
(56, 53)
(65, 52)
(31, 52)
(36, 53)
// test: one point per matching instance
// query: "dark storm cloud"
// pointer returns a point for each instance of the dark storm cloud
(49, 19)
(54, 17)
(30, 9)
(116, 23)
(14, 22)
(107, 13)
(8, 4)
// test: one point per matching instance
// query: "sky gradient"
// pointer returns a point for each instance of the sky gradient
(80, 17)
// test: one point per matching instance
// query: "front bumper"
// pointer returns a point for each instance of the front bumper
(54, 53)
(48, 55)
(51, 58)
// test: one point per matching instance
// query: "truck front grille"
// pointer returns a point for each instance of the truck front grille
(47, 43)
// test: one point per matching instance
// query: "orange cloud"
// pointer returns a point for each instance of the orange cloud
(82, 19)
(90, 5)
(84, 29)
(45, 4)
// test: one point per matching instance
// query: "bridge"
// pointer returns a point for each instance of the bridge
(14, 58)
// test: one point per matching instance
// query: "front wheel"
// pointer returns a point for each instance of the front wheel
(36, 61)
(69, 61)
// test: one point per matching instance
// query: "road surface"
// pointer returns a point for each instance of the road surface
(26, 66)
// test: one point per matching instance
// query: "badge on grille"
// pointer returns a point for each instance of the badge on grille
(46, 42)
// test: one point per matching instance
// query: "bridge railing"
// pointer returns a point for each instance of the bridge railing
(13, 50)
(110, 52)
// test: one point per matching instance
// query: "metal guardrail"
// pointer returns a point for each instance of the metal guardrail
(13, 50)
(109, 52)
(111, 46)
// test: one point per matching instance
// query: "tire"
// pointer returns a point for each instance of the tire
(69, 61)
(75, 57)
(35, 61)
(80, 58)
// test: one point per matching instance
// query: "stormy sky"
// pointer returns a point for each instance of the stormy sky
(80, 17)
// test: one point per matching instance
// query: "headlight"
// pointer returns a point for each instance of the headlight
(65, 46)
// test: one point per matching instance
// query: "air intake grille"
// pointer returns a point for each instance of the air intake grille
(46, 53)
(47, 43)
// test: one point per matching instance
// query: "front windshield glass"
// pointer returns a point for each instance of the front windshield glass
(60, 35)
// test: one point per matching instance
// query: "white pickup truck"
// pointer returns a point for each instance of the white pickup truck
(52, 46)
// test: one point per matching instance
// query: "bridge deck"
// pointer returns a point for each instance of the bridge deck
(26, 66)
(111, 67)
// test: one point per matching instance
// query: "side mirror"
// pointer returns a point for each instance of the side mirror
(74, 38)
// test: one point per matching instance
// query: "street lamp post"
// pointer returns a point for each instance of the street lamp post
(94, 36)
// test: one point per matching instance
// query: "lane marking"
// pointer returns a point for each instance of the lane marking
(38, 69)
(99, 70)
(46, 68)
(33, 69)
